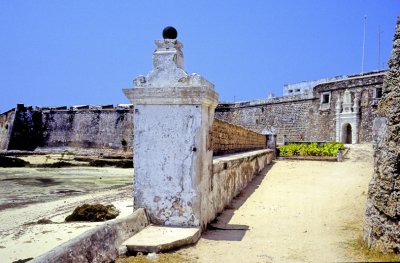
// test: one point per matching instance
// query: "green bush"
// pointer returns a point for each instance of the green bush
(312, 149)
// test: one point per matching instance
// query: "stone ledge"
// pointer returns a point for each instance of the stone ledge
(99, 244)
(160, 238)
(173, 96)
(224, 162)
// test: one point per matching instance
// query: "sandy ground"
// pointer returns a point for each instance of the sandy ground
(21, 237)
(21, 185)
(296, 211)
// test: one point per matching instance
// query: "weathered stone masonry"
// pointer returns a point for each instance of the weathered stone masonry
(307, 117)
(102, 128)
(6, 122)
(382, 221)
(228, 138)
(28, 128)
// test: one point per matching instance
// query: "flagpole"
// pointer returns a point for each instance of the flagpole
(363, 47)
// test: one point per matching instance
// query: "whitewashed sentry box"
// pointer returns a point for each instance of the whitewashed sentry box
(173, 116)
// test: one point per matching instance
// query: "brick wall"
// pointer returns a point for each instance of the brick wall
(229, 138)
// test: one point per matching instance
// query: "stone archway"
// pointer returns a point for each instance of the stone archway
(347, 133)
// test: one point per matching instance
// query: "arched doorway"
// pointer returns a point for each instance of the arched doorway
(346, 133)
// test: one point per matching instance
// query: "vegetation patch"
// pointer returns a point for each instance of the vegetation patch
(326, 149)
(358, 249)
(54, 165)
(93, 213)
(115, 163)
(67, 154)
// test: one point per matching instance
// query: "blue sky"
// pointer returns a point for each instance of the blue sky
(85, 52)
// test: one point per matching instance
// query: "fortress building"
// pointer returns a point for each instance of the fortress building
(334, 109)
(338, 109)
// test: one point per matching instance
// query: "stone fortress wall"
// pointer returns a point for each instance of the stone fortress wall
(85, 127)
(99, 128)
(310, 116)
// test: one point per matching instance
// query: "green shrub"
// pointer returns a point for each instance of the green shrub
(312, 149)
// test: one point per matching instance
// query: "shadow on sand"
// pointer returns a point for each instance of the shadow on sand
(220, 229)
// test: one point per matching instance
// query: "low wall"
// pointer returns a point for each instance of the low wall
(229, 138)
(231, 174)
(99, 244)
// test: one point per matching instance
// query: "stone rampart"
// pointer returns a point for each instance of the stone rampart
(81, 127)
(282, 117)
(89, 128)
(229, 138)
(305, 117)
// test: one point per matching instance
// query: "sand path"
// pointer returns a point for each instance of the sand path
(296, 211)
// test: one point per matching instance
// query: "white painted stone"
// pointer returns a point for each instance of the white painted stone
(173, 116)
(349, 116)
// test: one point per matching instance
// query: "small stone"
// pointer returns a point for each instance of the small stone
(93, 213)
(44, 221)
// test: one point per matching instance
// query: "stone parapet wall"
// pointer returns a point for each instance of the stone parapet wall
(229, 138)
(231, 174)
(100, 244)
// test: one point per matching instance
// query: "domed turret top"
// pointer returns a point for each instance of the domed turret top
(170, 33)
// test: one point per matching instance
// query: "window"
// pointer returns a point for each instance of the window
(326, 98)
(378, 93)
(325, 101)
(297, 90)
(290, 91)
